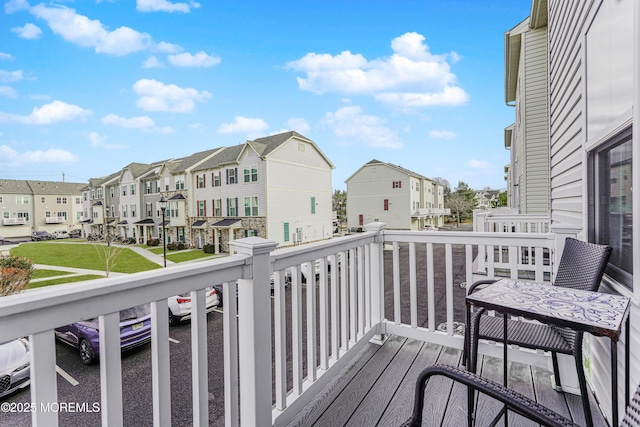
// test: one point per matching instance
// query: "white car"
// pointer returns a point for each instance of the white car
(430, 227)
(180, 305)
(15, 366)
(60, 234)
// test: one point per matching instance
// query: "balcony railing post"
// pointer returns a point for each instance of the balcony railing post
(254, 330)
(561, 232)
(376, 276)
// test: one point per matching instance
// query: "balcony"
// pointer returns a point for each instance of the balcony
(381, 289)
(14, 221)
(55, 220)
(431, 212)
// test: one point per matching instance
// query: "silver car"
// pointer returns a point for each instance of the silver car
(180, 305)
(15, 366)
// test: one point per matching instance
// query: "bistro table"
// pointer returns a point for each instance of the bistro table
(597, 313)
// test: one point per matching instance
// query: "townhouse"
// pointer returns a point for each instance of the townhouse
(401, 198)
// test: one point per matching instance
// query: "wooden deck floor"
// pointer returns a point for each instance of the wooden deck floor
(377, 390)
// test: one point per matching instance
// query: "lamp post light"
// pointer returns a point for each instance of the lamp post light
(163, 207)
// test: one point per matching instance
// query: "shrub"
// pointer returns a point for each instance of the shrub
(15, 274)
(131, 241)
(171, 246)
(180, 246)
(209, 249)
(153, 242)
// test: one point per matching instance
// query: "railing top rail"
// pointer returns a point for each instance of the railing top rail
(44, 309)
(287, 257)
(473, 238)
(519, 218)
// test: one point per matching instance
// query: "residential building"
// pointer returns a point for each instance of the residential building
(525, 50)
(384, 192)
(30, 205)
(486, 199)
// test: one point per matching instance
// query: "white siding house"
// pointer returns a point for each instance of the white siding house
(388, 193)
(528, 138)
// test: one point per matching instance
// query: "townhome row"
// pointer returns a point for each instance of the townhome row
(28, 206)
(278, 187)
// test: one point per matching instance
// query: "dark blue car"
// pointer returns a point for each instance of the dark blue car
(135, 330)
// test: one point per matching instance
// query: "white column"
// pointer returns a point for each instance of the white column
(376, 276)
(254, 330)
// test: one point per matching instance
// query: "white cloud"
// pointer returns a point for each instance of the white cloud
(350, 123)
(479, 164)
(138, 122)
(13, 6)
(299, 125)
(152, 62)
(55, 112)
(442, 134)
(28, 31)
(6, 56)
(8, 92)
(165, 6)
(85, 32)
(157, 96)
(167, 47)
(243, 125)
(98, 141)
(411, 77)
(10, 76)
(10, 157)
(200, 59)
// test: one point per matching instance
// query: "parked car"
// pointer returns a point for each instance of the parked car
(180, 305)
(40, 235)
(135, 330)
(430, 227)
(60, 234)
(15, 366)
(75, 233)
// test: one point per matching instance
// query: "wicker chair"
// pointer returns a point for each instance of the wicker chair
(581, 267)
(513, 400)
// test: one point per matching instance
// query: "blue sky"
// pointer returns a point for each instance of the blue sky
(87, 87)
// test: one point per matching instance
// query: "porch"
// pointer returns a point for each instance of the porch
(284, 345)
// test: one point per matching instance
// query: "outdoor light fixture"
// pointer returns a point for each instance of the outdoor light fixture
(163, 207)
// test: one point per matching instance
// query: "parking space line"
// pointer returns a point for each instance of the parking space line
(174, 341)
(66, 376)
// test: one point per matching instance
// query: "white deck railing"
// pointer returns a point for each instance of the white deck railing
(319, 325)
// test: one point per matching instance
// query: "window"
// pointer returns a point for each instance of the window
(180, 183)
(112, 189)
(215, 177)
(133, 189)
(1, 200)
(133, 210)
(5, 215)
(232, 206)
(148, 210)
(124, 211)
(217, 207)
(99, 193)
(610, 204)
(286, 231)
(61, 200)
(124, 190)
(313, 205)
(201, 181)
(22, 200)
(43, 200)
(47, 214)
(251, 206)
(24, 215)
(386, 204)
(396, 184)
(232, 176)
(78, 201)
(251, 174)
(202, 208)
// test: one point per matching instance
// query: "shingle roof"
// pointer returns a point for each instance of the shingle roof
(191, 160)
(400, 168)
(13, 186)
(225, 157)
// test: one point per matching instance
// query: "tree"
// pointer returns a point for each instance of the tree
(108, 254)
(444, 183)
(502, 198)
(460, 205)
(15, 274)
(339, 204)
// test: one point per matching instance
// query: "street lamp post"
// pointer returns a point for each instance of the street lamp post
(163, 207)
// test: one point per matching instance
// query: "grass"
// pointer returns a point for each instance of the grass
(64, 280)
(82, 255)
(182, 256)
(42, 273)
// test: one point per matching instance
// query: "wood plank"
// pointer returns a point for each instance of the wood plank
(372, 407)
(520, 380)
(401, 405)
(341, 409)
(546, 395)
(486, 407)
(438, 389)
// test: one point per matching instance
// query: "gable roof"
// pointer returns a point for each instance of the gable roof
(267, 145)
(375, 162)
(227, 156)
(193, 159)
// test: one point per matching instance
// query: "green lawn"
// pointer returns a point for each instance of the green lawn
(64, 280)
(82, 255)
(182, 256)
(42, 273)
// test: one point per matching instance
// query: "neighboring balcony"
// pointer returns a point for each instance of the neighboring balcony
(432, 212)
(55, 219)
(285, 341)
(14, 221)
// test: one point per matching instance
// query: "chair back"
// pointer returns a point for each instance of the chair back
(632, 416)
(582, 265)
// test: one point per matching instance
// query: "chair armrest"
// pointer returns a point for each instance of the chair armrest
(478, 283)
(514, 400)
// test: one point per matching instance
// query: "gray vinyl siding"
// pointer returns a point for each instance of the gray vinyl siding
(536, 148)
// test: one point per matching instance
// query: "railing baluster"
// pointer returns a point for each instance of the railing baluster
(324, 315)
(468, 252)
(397, 318)
(539, 264)
(231, 368)
(361, 300)
(490, 261)
(413, 288)
(366, 287)
(160, 366)
(335, 322)
(280, 339)
(353, 298)
(199, 366)
(311, 322)
(449, 284)
(344, 301)
(296, 329)
(110, 370)
(431, 288)
(44, 384)
(513, 261)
